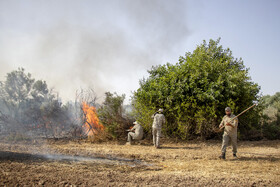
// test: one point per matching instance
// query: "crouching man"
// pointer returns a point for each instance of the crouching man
(230, 133)
(136, 133)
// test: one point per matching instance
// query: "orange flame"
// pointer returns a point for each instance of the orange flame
(92, 125)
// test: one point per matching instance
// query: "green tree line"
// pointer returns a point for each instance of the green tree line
(193, 93)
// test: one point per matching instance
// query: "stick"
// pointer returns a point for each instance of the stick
(243, 112)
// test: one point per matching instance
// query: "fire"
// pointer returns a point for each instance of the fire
(92, 125)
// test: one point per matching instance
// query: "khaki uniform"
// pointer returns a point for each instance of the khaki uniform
(159, 120)
(230, 133)
(138, 135)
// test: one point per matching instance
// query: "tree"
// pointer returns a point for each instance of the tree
(111, 114)
(28, 104)
(195, 91)
(271, 116)
(18, 85)
(15, 94)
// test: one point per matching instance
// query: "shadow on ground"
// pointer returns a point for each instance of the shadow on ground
(20, 157)
(28, 157)
(180, 147)
(268, 158)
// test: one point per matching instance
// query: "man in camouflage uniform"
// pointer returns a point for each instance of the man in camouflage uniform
(230, 133)
(136, 133)
(159, 120)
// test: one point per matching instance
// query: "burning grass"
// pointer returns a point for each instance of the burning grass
(191, 163)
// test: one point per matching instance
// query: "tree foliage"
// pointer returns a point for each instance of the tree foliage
(195, 91)
(271, 116)
(28, 104)
(112, 115)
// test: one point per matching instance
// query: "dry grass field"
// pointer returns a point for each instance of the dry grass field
(78, 163)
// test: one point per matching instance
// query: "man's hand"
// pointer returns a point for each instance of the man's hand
(228, 124)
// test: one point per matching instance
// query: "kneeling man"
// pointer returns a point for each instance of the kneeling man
(136, 133)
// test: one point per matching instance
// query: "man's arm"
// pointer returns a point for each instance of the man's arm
(236, 122)
(133, 128)
(222, 123)
(233, 123)
(154, 114)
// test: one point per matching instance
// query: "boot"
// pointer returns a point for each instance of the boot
(234, 155)
(128, 143)
(223, 156)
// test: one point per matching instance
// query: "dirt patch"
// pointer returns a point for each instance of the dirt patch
(176, 164)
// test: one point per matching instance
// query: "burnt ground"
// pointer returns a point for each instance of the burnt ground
(78, 163)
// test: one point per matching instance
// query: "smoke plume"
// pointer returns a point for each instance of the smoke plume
(107, 45)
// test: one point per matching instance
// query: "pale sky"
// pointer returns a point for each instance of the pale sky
(110, 44)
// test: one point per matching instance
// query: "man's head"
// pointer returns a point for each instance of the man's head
(228, 111)
(160, 110)
(135, 123)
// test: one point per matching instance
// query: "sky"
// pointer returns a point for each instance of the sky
(109, 45)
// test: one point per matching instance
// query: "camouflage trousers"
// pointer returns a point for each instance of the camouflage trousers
(156, 136)
(229, 139)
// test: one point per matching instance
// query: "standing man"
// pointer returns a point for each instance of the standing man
(230, 133)
(136, 133)
(159, 120)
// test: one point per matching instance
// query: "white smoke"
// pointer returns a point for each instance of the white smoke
(107, 45)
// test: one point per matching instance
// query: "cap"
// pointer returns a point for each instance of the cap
(160, 110)
(228, 109)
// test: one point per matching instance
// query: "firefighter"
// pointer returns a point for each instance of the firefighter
(159, 120)
(136, 133)
(230, 133)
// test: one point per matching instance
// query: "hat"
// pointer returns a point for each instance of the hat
(228, 109)
(160, 110)
(135, 123)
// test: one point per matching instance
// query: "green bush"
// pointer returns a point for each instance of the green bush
(113, 116)
(271, 131)
(271, 116)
